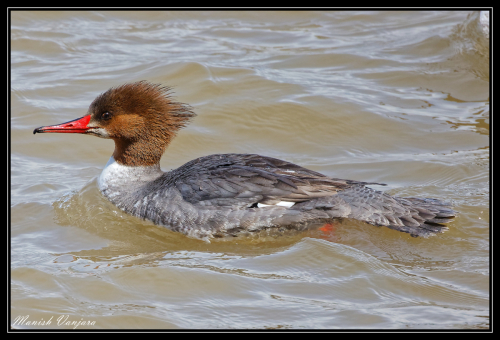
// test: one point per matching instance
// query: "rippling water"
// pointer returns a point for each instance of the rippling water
(395, 97)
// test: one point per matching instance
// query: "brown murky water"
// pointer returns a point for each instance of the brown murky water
(395, 97)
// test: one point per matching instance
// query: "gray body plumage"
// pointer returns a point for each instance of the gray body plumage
(224, 194)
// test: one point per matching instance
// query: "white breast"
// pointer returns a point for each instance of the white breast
(117, 175)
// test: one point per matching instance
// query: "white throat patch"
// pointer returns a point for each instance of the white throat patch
(116, 175)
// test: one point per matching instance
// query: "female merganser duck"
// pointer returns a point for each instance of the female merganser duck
(224, 194)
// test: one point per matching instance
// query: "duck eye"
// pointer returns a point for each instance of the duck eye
(106, 115)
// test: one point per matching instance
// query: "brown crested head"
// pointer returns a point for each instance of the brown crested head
(141, 118)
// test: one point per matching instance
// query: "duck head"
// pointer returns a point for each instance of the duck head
(140, 117)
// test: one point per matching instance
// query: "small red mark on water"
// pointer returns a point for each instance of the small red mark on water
(327, 228)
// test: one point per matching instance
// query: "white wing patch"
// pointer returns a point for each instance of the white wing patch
(281, 204)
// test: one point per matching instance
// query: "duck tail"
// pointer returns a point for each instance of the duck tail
(417, 216)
